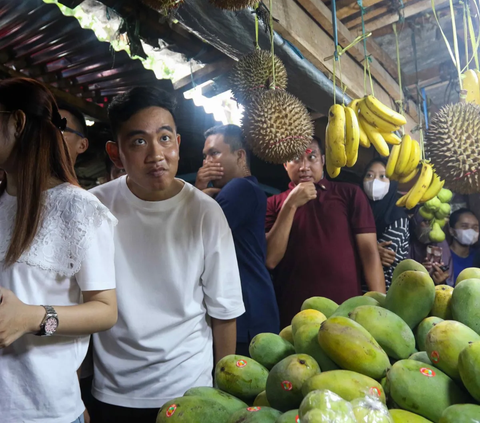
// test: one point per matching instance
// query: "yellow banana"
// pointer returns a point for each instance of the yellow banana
(471, 85)
(414, 160)
(332, 170)
(420, 187)
(384, 112)
(402, 201)
(374, 120)
(433, 189)
(375, 138)
(392, 161)
(391, 138)
(405, 151)
(408, 178)
(364, 141)
(335, 135)
(352, 140)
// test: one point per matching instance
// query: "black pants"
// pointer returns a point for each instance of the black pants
(106, 413)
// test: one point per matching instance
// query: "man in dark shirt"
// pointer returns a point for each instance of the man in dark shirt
(320, 236)
(226, 166)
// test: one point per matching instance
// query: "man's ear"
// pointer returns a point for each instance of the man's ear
(179, 139)
(114, 154)
(241, 155)
(83, 146)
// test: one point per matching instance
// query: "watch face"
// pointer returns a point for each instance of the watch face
(51, 325)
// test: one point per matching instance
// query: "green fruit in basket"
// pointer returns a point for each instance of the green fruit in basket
(306, 317)
(261, 400)
(379, 296)
(468, 273)
(411, 296)
(389, 330)
(468, 366)
(461, 413)
(422, 330)
(346, 384)
(466, 303)
(317, 416)
(253, 415)
(241, 377)
(327, 402)
(402, 416)
(192, 409)
(287, 334)
(445, 195)
(442, 306)
(423, 389)
(421, 356)
(286, 379)
(426, 214)
(433, 205)
(289, 417)
(443, 211)
(367, 410)
(321, 304)
(436, 234)
(352, 303)
(352, 347)
(306, 342)
(406, 265)
(268, 349)
(440, 222)
(231, 403)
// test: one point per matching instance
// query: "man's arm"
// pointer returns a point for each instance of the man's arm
(277, 237)
(370, 258)
(224, 337)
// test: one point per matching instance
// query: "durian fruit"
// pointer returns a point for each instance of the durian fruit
(277, 126)
(453, 144)
(234, 4)
(253, 73)
(162, 6)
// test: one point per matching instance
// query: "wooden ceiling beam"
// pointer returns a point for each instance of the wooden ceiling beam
(346, 8)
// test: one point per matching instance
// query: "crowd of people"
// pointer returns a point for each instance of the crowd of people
(171, 277)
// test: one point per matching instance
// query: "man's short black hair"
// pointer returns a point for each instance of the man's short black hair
(233, 136)
(319, 143)
(77, 115)
(125, 105)
(455, 216)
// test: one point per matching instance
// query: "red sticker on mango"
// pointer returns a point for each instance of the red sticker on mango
(374, 391)
(287, 386)
(171, 410)
(241, 363)
(254, 409)
(435, 356)
(427, 372)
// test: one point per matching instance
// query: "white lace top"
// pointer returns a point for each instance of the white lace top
(73, 251)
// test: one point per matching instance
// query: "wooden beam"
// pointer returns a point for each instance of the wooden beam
(346, 8)
(89, 108)
(356, 23)
(323, 16)
(440, 72)
(210, 71)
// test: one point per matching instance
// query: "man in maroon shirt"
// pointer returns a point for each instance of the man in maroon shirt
(321, 235)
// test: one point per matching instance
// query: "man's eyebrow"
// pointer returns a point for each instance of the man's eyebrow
(165, 128)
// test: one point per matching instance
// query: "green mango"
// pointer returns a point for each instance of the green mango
(433, 204)
(318, 416)
(468, 273)
(421, 356)
(231, 403)
(469, 367)
(327, 402)
(367, 410)
(352, 303)
(422, 330)
(389, 330)
(306, 342)
(321, 304)
(268, 349)
(466, 303)
(286, 379)
(411, 296)
(426, 214)
(240, 376)
(253, 415)
(379, 296)
(346, 384)
(408, 264)
(192, 409)
(306, 317)
(287, 334)
(289, 417)
(402, 416)
(436, 234)
(461, 413)
(445, 195)
(422, 389)
(445, 342)
(261, 400)
(352, 347)
(442, 306)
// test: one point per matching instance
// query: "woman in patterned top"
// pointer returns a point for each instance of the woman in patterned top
(390, 220)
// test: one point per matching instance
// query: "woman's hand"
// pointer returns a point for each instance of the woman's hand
(438, 275)
(387, 256)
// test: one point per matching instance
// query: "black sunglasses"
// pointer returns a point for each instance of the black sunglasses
(72, 131)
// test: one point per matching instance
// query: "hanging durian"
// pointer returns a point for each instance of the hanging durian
(234, 4)
(453, 144)
(277, 126)
(162, 6)
(253, 73)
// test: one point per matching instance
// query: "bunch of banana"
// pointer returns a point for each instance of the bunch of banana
(404, 159)
(378, 124)
(471, 84)
(342, 139)
(425, 189)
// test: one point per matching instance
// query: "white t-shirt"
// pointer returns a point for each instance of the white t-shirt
(175, 263)
(73, 251)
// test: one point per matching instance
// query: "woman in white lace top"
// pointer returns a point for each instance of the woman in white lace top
(57, 279)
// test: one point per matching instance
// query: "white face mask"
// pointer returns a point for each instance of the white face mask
(466, 236)
(376, 190)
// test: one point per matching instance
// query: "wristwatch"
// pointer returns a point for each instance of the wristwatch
(49, 323)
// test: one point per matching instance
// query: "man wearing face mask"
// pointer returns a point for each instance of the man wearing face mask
(391, 221)
(464, 230)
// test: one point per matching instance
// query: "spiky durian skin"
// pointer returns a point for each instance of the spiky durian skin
(234, 4)
(253, 73)
(162, 6)
(277, 126)
(453, 144)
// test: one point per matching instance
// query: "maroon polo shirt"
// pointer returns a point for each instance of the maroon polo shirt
(321, 257)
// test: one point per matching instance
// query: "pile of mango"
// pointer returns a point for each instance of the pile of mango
(411, 356)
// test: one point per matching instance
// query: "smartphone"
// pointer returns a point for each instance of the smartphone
(445, 268)
(434, 254)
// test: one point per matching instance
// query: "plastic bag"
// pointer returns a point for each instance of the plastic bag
(323, 406)
(370, 410)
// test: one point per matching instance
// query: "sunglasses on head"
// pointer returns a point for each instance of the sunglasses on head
(72, 131)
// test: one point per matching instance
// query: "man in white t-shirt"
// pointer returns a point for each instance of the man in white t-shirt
(178, 284)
